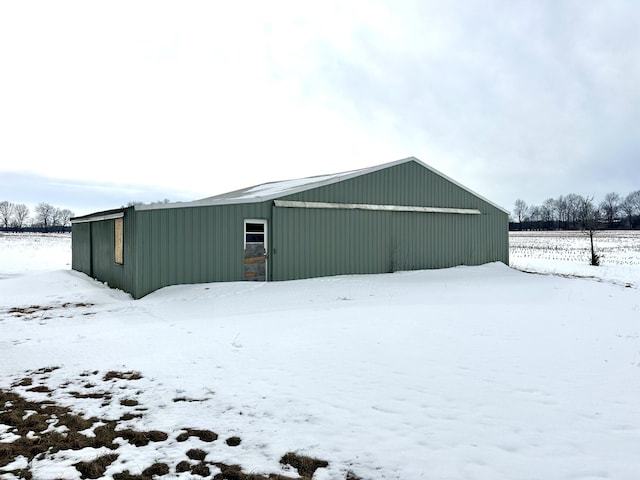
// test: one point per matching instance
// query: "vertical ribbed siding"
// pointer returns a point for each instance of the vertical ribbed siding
(403, 184)
(81, 247)
(192, 245)
(93, 251)
(316, 242)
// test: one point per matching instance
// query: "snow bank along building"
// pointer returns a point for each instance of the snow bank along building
(402, 215)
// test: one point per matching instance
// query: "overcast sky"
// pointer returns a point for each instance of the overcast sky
(102, 103)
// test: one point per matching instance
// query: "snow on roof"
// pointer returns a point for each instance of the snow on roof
(281, 188)
(272, 190)
(265, 191)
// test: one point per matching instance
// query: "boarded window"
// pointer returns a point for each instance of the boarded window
(119, 241)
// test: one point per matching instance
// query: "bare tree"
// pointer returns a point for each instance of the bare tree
(520, 209)
(21, 212)
(534, 213)
(65, 217)
(6, 212)
(561, 211)
(547, 212)
(610, 207)
(574, 203)
(45, 214)
(589, 217)
(631, 206)
(55, 217)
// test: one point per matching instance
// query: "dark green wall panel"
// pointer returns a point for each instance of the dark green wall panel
(192, 245)
(93, 251)
(316, 242)
(81, 247)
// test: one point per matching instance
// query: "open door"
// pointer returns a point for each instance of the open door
(255, 250)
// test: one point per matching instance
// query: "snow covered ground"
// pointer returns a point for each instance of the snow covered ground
(569, 253)
(465, 373)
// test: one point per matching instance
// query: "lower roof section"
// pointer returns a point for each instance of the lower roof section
(98, 216)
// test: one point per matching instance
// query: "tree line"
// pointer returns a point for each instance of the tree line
(573, 211)
(46, 217)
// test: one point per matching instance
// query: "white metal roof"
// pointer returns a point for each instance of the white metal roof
(270, 191)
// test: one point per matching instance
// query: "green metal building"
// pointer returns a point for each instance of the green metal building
(402, 215)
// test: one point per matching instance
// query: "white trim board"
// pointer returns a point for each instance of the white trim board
(367, 206)
(97, 218)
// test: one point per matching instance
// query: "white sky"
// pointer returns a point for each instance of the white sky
(104, 103)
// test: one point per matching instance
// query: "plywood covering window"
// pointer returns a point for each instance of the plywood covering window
(119, 241)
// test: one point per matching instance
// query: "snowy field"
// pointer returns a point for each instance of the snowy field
(465, 373)
(569, 253)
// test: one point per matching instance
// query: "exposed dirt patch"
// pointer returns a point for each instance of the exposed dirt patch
(32, 311)
(39, 388)
(157, 469)
(25, 382)
(103, 395)
(306, 466)
(196, 454)
(204, 435)
(201, 469)
(185, 399)
(37, 430)
(114, 374)
(25, 311)
(97, 467)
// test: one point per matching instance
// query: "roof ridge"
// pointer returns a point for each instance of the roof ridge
(261, 192)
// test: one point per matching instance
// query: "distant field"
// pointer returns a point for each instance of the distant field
(614, 247)
(22, 253)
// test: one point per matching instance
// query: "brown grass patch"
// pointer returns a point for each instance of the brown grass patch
(187, 399)
(95, 468)
(201, 469)
(196, 454)
(204, 435)
(21, 416)
(39, 389)
(114, 374)
(306, 466)
(25, 382)
(130, 416)
(43, 370)
(104, 395)
(140, 439)
(30, 310)
(77, 305)
(156, 469)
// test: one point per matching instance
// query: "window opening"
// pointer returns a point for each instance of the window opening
(254, 233)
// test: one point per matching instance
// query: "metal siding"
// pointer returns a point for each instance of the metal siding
(81, 247)
(192, 245)
(93, 251)
(312, 242)
(404, 184)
